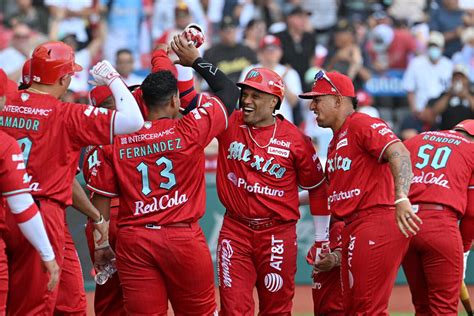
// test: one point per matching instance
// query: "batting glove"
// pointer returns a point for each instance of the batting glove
(194, 35)
(104, 73)
(316, 249)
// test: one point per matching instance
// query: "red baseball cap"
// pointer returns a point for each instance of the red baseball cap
(322, 86)
(466, 126)
(363, 98)
(99, 94)
(269, 41)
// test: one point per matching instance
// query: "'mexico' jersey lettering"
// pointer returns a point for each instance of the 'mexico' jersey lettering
(237, 151)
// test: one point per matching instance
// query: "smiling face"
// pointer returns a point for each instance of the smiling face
(325, 109)
(257, 106)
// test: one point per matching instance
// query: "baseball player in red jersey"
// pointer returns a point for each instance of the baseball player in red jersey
(51, 134)
(108, 297)
(160, 245)
(17, 200)
(443, 171)
(365, 158)
(262, 159)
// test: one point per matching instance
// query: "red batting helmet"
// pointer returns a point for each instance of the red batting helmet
(26, 72)
(265, 80)
(52, 60)
(465, 126)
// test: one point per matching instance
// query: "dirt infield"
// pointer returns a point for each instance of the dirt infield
(400, 302)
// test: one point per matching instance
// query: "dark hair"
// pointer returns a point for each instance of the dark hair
(355, 102)
(123, 51)
(158, 88)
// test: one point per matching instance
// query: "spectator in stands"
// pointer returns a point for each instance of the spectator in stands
(72, 16)
(85, 55)
(409, 10)
(323, 18)
(253, 34)
(299, 48)
(427, 75)
(124, 27)
(457, 103)
(298, 45)
(269, 55)
(390, 48)
(36, 17)
(346, 55)
(182, 18)
(448, 19)
(230, 56)
(364, 104)
(21, 46)
(466, 55)
(164, 15)
(124, 62)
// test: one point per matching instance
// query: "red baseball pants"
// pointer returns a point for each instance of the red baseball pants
(434, 264)
(265, 259)
(327, 293)
(164, 263)
(372, 251)
(71, 298)
(108, 299)
(3, 278)
(27, 278)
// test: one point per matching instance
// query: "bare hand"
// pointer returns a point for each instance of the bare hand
(102, 257)
(406, 219)
(186, 52)
(325, 263)
(101, 232)
(53, 269)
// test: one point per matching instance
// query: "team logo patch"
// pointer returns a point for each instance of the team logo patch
(25, 97)
(341, 143)
(278, 151)
(273, 282)
(232, 177)
(147, 125)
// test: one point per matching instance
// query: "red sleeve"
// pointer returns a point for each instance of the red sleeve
(13, 178)
(138, 95)
(374, 135)
(88, 125)
(99, 172)
(205, 122)
(161, 61)
(318, 200)
(467, 222)
(308, 167)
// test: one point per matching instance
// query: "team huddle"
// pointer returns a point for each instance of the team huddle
(377, 204)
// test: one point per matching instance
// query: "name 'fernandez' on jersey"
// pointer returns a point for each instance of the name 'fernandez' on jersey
(262, 181)
(158, 172)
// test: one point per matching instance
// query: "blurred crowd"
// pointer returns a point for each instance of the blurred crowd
(412, 61)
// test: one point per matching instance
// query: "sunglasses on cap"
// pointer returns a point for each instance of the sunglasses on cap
(322, 75)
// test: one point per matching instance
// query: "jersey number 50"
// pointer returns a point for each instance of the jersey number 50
(439, 158)
(165, 173)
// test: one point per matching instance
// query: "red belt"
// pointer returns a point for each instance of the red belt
(172, 225)
(361, 214)
(430, 206)
(256, 223)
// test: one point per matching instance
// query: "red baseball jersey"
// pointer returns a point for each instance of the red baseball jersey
(51, 134)
(94, 157)
(259, 169)
(359, 177)
(158, 172)
(13, 178)
(443, 166)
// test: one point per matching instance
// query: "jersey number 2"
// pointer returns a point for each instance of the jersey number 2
(438, 160)
(165, 173)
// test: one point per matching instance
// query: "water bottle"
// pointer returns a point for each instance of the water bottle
(103, 276)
